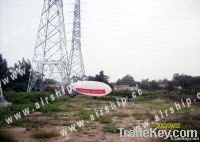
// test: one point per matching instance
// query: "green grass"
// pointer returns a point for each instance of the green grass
(186, 110)
(45, 134)
(78, 105)
(24, 97)
(111, 128)
(121, 114)
(188, 121)
(143, 116)
(148, 95)
(55, 107)
(105, 120)
(22, 100)
(85, 114)
(12, 109)
(196, 117)
(164, 94)
(176, 95)
(28, 123)
(157, 105)
(19, 101)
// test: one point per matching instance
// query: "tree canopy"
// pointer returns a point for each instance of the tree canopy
(126, 80)
(101, 77)
(22, 69)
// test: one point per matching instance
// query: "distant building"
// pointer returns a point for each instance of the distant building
(123, 87)
(134, 88)
(178, 87)
(163, 85)
(51, 86)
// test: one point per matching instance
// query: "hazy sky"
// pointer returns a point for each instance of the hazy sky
(145, 38)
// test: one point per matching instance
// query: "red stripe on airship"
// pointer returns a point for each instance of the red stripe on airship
(91, 91)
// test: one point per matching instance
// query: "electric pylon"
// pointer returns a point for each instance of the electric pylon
(50, 59)
(76, 66)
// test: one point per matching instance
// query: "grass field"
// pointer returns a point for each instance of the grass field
(46, 123)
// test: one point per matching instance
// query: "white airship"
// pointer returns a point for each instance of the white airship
(91, 88)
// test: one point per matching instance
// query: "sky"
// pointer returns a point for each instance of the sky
(144, 38)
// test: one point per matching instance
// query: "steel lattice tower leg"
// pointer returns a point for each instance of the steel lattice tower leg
(76, 66)
(1, 93)
(3, 101)
(50, 59)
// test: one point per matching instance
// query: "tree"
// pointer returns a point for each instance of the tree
(3, 69)
(91, 78)
(154, 85)
(126, 80)
(20, 84)
(101, 77)
(20, 70)
(184, 81)
(145, 84)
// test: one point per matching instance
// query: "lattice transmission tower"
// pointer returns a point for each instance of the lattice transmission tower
(76, 66)
(50, 59)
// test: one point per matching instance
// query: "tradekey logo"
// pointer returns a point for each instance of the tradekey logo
(90, 88)
(166, 134)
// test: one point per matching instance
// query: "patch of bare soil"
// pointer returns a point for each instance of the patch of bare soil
(93, 133)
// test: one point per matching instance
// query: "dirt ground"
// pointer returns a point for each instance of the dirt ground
(128, 116)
